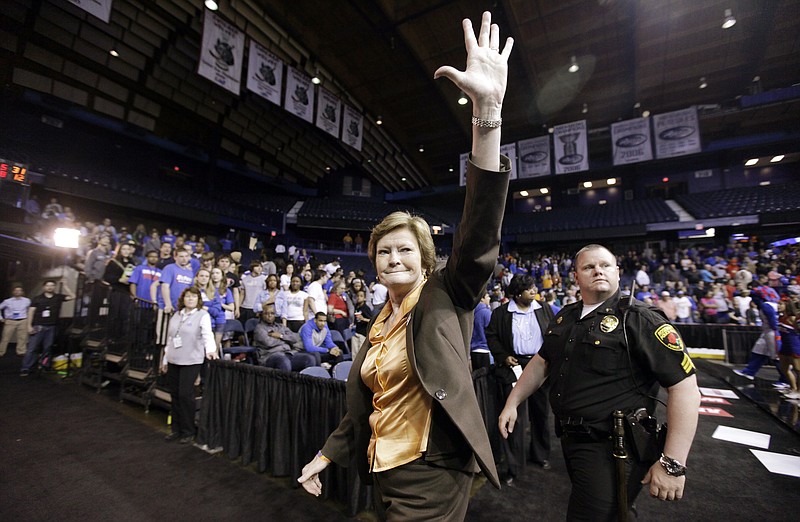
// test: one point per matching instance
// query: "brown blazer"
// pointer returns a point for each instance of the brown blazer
(437, 340)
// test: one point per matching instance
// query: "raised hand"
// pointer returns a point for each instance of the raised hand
(484, 79)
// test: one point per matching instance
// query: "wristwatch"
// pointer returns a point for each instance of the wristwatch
(672, 466)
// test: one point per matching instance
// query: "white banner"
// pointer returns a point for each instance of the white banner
(534, 157)
(264, 73)
(569, 146)
(677, 133)
(462, 169)
(630, 141)
(352, 127)
(510, 150)
(299, 99)
(329, 110)
(221, 53)
(99, 8)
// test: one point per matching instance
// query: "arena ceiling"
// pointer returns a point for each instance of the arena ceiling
(633, 55)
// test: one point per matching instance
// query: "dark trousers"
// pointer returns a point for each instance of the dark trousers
(480, 360)
(420, 491)
(533, 412)
(289, 362)
(295, 325)
(42, 340)
(180, 380)
(593, 473)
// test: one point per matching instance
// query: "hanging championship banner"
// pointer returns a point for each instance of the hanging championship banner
(570, 149)
(264, 73)
(510, 150)
(221, 53)
(99, 8)
(677, 133)
(534, 157)
(352, 127)
(299, 99)
(462, 169)
(329, 110)
(630, 141)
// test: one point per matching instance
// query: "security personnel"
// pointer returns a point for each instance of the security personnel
(592, 374)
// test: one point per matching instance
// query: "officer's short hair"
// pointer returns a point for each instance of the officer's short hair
(591, 246)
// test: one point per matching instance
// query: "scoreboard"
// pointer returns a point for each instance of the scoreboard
(11, 171)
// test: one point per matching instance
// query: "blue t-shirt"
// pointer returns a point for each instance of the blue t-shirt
(178, 280)
(143, 277)
(168, 238)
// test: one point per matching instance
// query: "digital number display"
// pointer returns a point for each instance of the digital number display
(13, 171)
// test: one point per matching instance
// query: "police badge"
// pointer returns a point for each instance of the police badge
(609, 323)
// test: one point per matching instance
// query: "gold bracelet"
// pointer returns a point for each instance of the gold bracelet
(488, 124)
(323, 458)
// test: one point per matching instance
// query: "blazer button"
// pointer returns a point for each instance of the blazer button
(440, 394)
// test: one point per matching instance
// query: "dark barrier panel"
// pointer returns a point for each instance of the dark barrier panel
(280, 420)
(736, 340)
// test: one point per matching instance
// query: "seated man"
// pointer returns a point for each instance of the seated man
(275, 344)
(316, 340)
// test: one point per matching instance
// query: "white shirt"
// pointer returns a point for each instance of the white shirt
(320, 300)
(525, 331)
(293, 305)
(684, 307)
(379, 294)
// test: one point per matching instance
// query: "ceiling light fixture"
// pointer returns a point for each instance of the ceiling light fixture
(611, 181)
(316, 79)
(402, 179)
(113, 52)
(462, 99)
(450, 169)
(573, 64)
(379, 120)
(212, 5)
(523, 193)
(703, 83)
(585, 108)
(751, 162)
(645, 113)
(544, 190)
(776, 159)
(587, 184)
(421, 148)
(729, 20)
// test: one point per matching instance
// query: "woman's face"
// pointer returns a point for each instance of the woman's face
(272, 282)
(289, 269)
(294, 286)
(216, 276)
(357, 285)
(202, 277)
(398, 260)
(190, 300)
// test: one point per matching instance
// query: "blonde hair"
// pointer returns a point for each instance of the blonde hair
(418, 227)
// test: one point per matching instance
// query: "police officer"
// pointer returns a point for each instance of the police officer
(584, 354)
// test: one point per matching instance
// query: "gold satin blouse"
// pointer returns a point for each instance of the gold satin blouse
(401, 416)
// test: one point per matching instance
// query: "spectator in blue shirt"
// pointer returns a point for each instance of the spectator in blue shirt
(316, 339)
(479, 348)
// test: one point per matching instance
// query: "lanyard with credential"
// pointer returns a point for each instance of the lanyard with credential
(177, 342)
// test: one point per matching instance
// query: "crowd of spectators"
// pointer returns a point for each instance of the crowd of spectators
(691, 285)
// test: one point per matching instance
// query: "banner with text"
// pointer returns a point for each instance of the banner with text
(264, 73)
(299, 99)
(534, 157)
(352, 127)
(99, 8)
(570, 149)
(221, 53)
(677, 133)
(329, 110)
(510, 150)
(630, 141)
(462, 169)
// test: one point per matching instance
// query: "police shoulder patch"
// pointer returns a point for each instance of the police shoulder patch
(669, 337)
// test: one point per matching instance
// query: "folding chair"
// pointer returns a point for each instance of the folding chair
(316, 371)
(342, 370)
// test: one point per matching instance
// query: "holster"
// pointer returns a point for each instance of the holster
(646, 436)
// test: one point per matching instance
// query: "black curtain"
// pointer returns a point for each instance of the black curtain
(278, 420)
